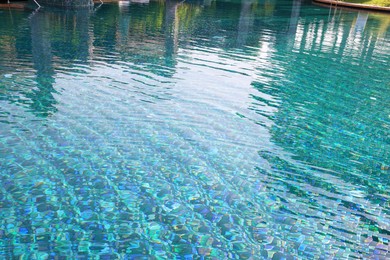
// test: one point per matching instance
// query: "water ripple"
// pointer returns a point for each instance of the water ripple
(227, 130)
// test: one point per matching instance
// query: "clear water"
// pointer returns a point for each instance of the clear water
(205, 130)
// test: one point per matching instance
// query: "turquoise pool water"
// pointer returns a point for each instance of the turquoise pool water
(195, 130)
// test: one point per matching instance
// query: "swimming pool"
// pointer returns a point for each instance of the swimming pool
(206, 130)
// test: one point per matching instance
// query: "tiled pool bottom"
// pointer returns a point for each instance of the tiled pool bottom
(186, 131)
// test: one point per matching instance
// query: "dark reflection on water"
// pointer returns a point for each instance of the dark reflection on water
(195, 129)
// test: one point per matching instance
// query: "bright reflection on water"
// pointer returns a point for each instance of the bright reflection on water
(195, 130)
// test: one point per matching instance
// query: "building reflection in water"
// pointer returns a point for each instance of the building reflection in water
(43, 101)
(153, 34)
(50, 40)
(326, 117)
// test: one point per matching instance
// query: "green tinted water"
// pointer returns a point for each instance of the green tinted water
(185, 130)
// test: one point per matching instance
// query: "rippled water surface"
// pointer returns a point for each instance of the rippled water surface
(206, 130)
